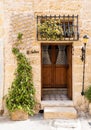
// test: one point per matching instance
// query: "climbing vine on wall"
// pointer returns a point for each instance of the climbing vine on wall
(21, 95)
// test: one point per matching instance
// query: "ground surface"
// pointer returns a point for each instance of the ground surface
(38, 123)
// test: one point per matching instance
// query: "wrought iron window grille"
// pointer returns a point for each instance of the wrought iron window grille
(57, 28)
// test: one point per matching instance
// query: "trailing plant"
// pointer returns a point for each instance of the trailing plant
(21, 95)
(50, 29)
(88, 93)
(19, 39)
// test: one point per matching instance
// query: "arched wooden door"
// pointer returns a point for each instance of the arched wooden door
(57, 67)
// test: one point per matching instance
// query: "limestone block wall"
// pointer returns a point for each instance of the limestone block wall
(20, 16)
(21, 19)
(58, 7)
(84, 25)
(1, 54)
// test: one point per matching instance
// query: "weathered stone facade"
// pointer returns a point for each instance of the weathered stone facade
(1, 55)
(20, 16)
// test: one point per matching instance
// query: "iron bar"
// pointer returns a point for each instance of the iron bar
(68, 29)
(77, 28)
(64, 26)
(73, 27)
(37, 28)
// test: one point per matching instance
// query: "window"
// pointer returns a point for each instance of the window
(59, 28)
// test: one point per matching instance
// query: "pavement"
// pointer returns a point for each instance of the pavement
(38, 123)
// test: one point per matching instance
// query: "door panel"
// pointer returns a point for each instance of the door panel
(47, 74)
(61, 79)
(46, 66)
(69, 71)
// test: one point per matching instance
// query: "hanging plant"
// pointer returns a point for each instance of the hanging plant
(19, 39)
(50, 29)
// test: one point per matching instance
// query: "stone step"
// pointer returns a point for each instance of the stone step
(60, 112)
(55, 103)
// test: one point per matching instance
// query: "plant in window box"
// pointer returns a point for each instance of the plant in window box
(50, 29)
(88, 96)
(20, 99)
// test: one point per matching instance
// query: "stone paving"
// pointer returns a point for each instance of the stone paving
(38, 123)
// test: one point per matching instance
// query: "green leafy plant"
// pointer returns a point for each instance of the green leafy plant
(50, 29)
(21, 95)
(88, 93)
(19, 37)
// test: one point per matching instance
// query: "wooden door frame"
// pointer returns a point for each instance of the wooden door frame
(55, 43)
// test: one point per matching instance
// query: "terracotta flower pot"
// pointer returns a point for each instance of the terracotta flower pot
(19, 115)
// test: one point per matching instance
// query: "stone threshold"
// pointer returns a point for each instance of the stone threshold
(56, 103)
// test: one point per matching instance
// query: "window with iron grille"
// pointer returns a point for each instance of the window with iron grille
(57, 28)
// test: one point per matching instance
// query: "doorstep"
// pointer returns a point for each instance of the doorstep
(56, 103)
(60, 112)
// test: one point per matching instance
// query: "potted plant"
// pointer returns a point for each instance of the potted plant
(50, 29)
(88, 96)
(20, 99)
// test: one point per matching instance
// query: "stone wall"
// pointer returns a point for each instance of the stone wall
(1, 54)
(85, 25)
(20, 16)
(20, 19)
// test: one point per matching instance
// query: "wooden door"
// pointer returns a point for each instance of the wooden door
(54, 66)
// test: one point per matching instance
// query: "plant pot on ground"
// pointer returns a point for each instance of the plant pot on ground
(20, 99)
(18, 115)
